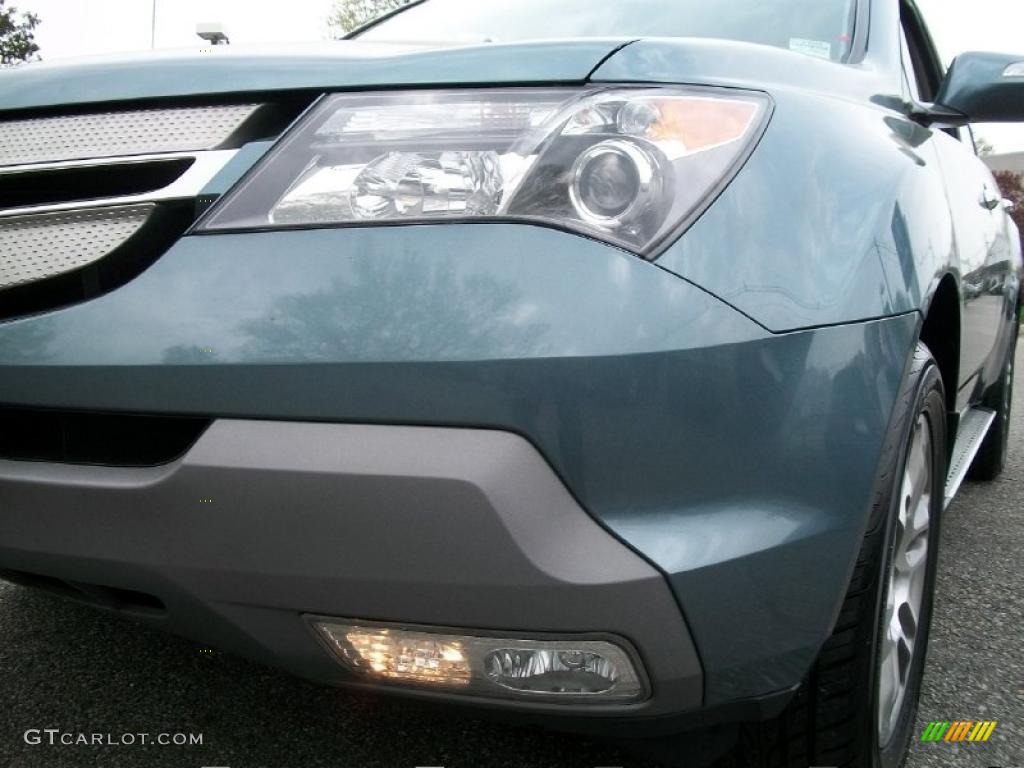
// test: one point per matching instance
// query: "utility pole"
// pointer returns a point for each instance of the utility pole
(152, 28)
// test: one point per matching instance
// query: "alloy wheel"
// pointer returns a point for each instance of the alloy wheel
(906, 579)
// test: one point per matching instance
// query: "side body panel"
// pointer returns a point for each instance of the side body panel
(843, 208)
(986, 259)
(850, 209)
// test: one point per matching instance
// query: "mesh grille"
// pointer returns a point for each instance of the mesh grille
(109, 134)
(39, 246)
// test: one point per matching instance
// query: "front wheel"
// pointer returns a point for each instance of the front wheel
(908, 585)
(857, 707)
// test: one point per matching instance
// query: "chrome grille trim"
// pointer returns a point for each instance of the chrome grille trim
(96, 162)
(43, 245)
(206, 166)
(111, 134)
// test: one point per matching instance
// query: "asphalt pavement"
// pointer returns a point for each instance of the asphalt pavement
(64, 666)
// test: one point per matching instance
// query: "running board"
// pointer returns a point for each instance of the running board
(974, 425)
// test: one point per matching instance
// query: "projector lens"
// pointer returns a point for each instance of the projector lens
(614, 182)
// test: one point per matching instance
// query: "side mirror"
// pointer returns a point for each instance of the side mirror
(983, 88)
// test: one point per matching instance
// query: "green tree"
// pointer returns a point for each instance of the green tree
(350, 14)
(17, 41)
(1011, 185)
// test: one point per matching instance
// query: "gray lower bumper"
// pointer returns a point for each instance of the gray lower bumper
(262, 522)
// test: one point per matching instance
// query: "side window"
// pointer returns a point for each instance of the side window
(921, 65)
(980, 146)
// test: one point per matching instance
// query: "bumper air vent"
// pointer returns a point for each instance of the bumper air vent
(112, 598)
(107, 439)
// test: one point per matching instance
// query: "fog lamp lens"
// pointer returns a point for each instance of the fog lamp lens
(406, 656)
(572, 671)
(583, 670)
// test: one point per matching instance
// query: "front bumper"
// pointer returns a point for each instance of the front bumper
(738, 463)
(262, 523)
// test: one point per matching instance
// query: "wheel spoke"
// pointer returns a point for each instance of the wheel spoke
(888, 677)
(906, 579)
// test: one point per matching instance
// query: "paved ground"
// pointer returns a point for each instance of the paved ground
(976, 661)
(64, 666)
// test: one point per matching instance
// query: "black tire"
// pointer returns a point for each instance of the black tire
(832, 720)
(991, 458)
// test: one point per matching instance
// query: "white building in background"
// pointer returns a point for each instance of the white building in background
(1013, 161)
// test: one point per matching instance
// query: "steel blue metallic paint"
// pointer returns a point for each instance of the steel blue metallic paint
(433, 293)
(742, 65)
(721, 410)
(873, 230)
(851, 198)
(642, 390)
(343, 64)
(866, 217)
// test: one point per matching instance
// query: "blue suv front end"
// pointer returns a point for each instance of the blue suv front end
(501, 438)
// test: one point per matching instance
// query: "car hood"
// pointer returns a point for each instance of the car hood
(341, 64)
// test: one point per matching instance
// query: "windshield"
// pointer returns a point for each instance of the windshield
(822, 28)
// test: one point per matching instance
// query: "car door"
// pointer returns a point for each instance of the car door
(983, 250)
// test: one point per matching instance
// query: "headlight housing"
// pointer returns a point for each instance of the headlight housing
(630, 166)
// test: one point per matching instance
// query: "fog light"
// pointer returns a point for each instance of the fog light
(405, 656)
(573, 670)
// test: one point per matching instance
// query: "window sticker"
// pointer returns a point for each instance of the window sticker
(817, 48)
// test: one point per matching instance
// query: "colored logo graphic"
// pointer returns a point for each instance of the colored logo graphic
(959, 730)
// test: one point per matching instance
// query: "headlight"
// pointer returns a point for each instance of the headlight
(630, 166)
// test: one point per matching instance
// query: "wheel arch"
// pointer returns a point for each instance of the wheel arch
(941, 332)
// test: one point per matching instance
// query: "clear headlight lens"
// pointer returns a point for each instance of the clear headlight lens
(625, 165)
(572, 670)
